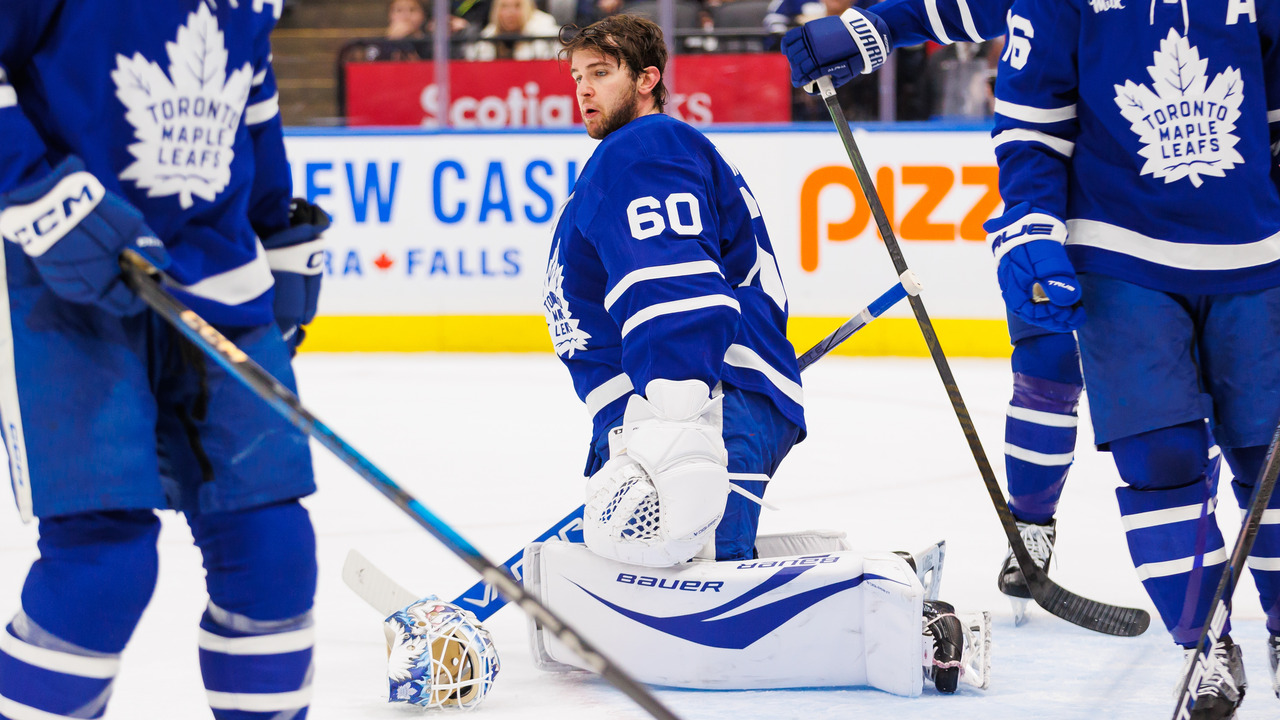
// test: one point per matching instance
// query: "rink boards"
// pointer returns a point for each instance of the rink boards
(439, 239)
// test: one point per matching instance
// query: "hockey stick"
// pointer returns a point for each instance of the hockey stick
(1091, 614)
(481, 598)
(1220, 607)
(144, 279)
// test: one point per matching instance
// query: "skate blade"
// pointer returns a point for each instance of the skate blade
(1019, 610)
(977, 653)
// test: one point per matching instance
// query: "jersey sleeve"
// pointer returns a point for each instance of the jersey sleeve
(23, 151)
(657, 236)
(912, 22)
(272, 185)
(1035, 110)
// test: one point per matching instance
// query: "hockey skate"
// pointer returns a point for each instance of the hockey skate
(956, 647)
(1273, 654)
(1039, 540)
(1221, 688)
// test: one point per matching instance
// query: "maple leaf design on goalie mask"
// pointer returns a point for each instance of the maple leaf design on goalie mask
(1185, 127)
(186, 120)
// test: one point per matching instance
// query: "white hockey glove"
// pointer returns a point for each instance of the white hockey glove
(659, 498)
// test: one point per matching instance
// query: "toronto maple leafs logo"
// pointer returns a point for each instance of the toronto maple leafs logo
(566, 336)
(185, 121)
(1186, 128)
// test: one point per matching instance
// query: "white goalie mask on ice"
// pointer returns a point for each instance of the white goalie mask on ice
(438, 655)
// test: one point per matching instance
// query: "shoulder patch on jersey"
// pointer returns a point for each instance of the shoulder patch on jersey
(566, 336)
(1185, 127)
(185, 120)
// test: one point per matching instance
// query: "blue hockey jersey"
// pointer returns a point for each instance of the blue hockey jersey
(912, 22)
(661, 267)
(1146, 127)
(181, 120)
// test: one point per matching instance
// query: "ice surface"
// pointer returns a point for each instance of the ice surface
(495, 445)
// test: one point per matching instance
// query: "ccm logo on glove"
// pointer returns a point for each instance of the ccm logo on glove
(36, 226)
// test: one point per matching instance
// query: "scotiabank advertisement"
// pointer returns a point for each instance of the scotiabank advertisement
(431, 223)
(539, 93)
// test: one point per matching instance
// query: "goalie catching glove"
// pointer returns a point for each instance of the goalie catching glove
(658, 499)
(1028, 245)
(74, 230)
(439, 655)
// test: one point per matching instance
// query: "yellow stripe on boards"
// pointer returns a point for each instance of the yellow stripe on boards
(528, 333)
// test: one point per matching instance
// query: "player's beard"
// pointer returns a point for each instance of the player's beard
(624, 112)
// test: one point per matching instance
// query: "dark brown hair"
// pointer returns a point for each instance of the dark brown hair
(633, 41)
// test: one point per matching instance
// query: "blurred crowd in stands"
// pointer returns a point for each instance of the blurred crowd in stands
(932, 81)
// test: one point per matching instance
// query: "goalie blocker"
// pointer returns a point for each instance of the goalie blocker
(826, 617)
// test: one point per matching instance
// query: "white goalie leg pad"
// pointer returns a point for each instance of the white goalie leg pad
(834, 619)
(659, 498)
(800, 543)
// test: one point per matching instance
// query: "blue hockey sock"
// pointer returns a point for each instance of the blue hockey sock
(1040, 430)
(1264, 558)
(256, 635)
(80, 604)
(1170, 525)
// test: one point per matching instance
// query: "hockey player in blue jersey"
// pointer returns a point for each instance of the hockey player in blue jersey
(664, 301)
(1135, 151)
(153, 126)
(1040, 427)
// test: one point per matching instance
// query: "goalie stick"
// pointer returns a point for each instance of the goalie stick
(1091, 614)
(145, 279)
(481, 598)
(1221, 605)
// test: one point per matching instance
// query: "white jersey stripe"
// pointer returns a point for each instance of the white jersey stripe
(657, 272)
(608, 391)
(8, 96)
(1185, 256)
(1040, 417)
(260, 78)
(276, 644)
(742, 356)
(237, 285)
(263, 111)
(1027, 113)
(1273, 116)
(678, 306)
(1271, 517)
(98, 668)
(260, 702)
(1168, 516)
(1038, 458)
(1181, 565)
(966, 17)
(1063, 147)
(935, 22)
(1266, 564)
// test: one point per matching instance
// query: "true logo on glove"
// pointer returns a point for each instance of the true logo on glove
(1018, 231)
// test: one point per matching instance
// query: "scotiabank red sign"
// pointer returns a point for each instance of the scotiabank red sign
(539, 93)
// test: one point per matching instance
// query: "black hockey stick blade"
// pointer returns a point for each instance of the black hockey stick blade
(1219, 609)
(1075, 609)
(146, 280)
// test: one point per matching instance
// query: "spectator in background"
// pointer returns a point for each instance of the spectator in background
(962, 75)
(406, 20)
(786, 14)
(590, 11)
(860, 98)
(517, 17)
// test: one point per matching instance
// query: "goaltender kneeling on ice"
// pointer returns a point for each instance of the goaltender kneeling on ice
(808, 612)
